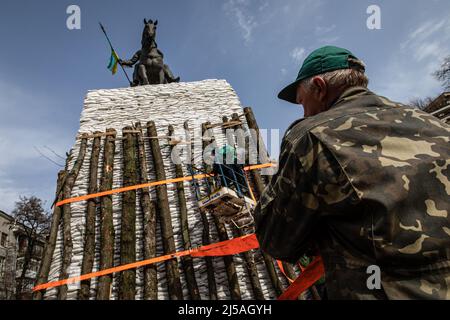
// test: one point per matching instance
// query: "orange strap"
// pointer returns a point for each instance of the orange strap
(280, 265)
(250, 188)
(302, 268)
(229, 247)
(310, 275)
(147, 185)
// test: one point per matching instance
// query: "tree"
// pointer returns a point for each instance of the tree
(443, 73)
(421, 103)
(33, 222)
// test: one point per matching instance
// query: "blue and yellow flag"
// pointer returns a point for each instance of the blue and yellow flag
(113, 62)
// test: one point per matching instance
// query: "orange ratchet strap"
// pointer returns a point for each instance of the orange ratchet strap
(280, 265)
(309, 276)
(151, 184)
(224, 248)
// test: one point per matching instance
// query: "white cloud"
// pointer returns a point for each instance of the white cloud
(263, 6)
(408, 74)
(429, 40)
(298, 54)
(251, 15)
(325, 36)
(246, 21)
(319, 30)
(424, 31)
(328, 40)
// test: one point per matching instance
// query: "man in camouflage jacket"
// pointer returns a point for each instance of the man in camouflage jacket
(363, 179)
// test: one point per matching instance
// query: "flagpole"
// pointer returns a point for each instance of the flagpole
(112, 48)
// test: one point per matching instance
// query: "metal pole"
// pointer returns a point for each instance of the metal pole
(112, 48)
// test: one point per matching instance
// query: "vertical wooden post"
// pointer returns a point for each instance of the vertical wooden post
(260, 149)
(47, 257)
(206, 239)
(259, 185)
(127, 282)
(259, 181)
(252, 124)
(67, 215)
(106, 215)
(89, 234)
(227, 132)
(230, 268)
(248, 256)
(186, 261)
(289, 270)
(149, 214)
(172, 271)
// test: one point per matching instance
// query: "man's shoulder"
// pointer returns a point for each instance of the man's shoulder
(366, 106)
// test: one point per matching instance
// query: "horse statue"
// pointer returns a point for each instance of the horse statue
(151, 68)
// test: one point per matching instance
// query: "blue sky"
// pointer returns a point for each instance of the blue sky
(256, 45)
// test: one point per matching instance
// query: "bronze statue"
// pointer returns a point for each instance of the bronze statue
(151, 68)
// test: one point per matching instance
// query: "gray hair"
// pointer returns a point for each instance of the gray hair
(342, 78)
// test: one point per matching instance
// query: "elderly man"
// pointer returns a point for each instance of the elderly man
(365, 181)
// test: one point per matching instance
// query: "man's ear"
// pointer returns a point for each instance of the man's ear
(321, 88)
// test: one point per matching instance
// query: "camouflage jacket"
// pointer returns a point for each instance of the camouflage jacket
(368, 183)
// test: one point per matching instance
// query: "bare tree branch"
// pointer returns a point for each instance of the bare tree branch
(43, 155)
(421, 103)
(443, 73)
(32, 220)
(52, 151)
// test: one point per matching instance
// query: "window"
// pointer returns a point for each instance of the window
(2, 265)
(22, 244)
(4, 239)
(19, 265)
(37, 250)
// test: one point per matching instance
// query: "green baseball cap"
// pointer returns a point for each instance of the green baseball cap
(325, 59)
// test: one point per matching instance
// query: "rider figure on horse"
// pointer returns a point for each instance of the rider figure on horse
(151, 68)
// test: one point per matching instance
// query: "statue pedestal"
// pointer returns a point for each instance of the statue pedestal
(168, 104)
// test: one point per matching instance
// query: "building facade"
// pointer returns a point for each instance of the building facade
(7, 257)
(13, 246)
(440, 107)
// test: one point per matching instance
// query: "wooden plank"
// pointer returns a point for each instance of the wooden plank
(248, 256)
(67, 215)
(172, 271)
(107, 232)
(47, 257)
(89, 230)
(206, 238)
(148, 208)
(259, 185)
(230, 268)
(127, 279)
(186, 261)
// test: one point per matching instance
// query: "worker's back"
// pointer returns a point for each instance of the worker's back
(381, 177)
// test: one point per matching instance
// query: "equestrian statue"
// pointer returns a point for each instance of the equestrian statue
(149, 61)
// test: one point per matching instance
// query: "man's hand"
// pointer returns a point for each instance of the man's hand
(125, 63)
